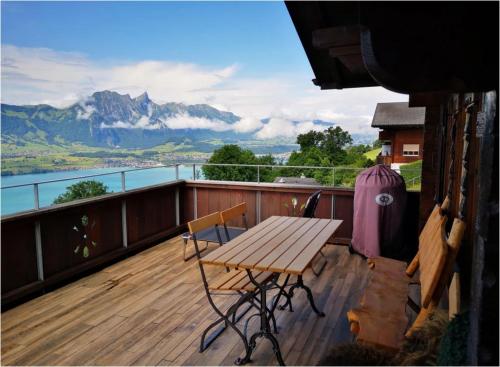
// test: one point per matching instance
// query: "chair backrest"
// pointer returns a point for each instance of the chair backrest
(311, 204)
(234, 212)
(204, 222)
(197, 225)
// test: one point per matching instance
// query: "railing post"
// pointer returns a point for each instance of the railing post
(177, 171)
(123, 180)
(258, 196)
(333, 176)
(37, 198)
(195, 203)
(258, 174)
(124, 214)
(333, 207)
(38, 248)
(177, 208)
(194, 171)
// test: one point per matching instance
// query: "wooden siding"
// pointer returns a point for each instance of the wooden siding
(66, 229)
(274, 199)
(398, 138)
(62, 235)
(19, 266)
(150, 217)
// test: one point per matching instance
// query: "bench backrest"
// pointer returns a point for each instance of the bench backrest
(434, 291)
(432, 251)
(204, 222)
(233, 212)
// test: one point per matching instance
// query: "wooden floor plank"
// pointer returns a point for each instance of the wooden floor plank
(150, 309)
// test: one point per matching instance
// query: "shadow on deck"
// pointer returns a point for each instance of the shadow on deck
(150, 309)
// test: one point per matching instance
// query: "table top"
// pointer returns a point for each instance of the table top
(278, 244)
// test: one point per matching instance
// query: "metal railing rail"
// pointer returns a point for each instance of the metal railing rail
(123, 172)
(176, 165)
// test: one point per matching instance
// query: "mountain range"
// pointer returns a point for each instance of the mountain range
(112, 120)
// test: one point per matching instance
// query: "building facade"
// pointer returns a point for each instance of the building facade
(402, 132)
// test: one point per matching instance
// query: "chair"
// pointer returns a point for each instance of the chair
(311, 204)
(234, 282)
(209, 234)
(231, 214)
(309, 210)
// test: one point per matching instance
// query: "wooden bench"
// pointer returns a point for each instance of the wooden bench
(381, 320)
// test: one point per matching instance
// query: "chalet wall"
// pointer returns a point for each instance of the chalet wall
(400, 137)
(458, 163)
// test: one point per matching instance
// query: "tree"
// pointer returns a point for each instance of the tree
(232, 153)
(332, 141)
(309, 140)
(377, 144)
(330, 148)
(82, 190)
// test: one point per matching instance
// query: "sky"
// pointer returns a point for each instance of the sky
(241, 57)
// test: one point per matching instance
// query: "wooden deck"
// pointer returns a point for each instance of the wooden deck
(150, 309)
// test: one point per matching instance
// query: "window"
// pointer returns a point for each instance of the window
(411, 150)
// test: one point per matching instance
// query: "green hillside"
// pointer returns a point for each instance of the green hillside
(372, 154)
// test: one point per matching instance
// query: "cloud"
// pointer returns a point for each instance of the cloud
(247, 125)
(86, 112)
(183, 121)
(41, 75)
(279, 127)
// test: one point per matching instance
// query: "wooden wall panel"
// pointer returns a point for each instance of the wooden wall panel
(65, 234)
(210, 200)
(186, 203)
(66, 229)
(324, 208)
(344, 210)
(275, 203)
(150, 214)
(250, 198)
(19, 266)
(400, 137)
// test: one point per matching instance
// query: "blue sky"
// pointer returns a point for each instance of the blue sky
(242, 57)
(258, 36)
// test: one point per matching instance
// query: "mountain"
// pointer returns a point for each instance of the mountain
(109, 119)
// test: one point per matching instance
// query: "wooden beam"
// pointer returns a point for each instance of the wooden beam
(326, 38)
(345, 50)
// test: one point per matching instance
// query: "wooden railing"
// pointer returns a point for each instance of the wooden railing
(45, 248)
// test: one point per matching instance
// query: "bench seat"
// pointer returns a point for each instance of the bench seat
(381, 319)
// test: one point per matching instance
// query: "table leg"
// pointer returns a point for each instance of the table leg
(265, 328)
(283, 292)
(300, 284)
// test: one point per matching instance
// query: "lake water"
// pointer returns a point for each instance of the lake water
(22, 198)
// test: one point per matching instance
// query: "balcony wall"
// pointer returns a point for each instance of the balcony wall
(43, 249)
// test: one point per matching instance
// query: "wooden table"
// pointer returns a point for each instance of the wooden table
(279, 245)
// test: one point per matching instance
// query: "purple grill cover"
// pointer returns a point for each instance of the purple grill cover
(379, 204)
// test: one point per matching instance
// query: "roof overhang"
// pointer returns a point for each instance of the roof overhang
(407, 47)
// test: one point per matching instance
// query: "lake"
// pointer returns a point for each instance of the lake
(22, 198)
